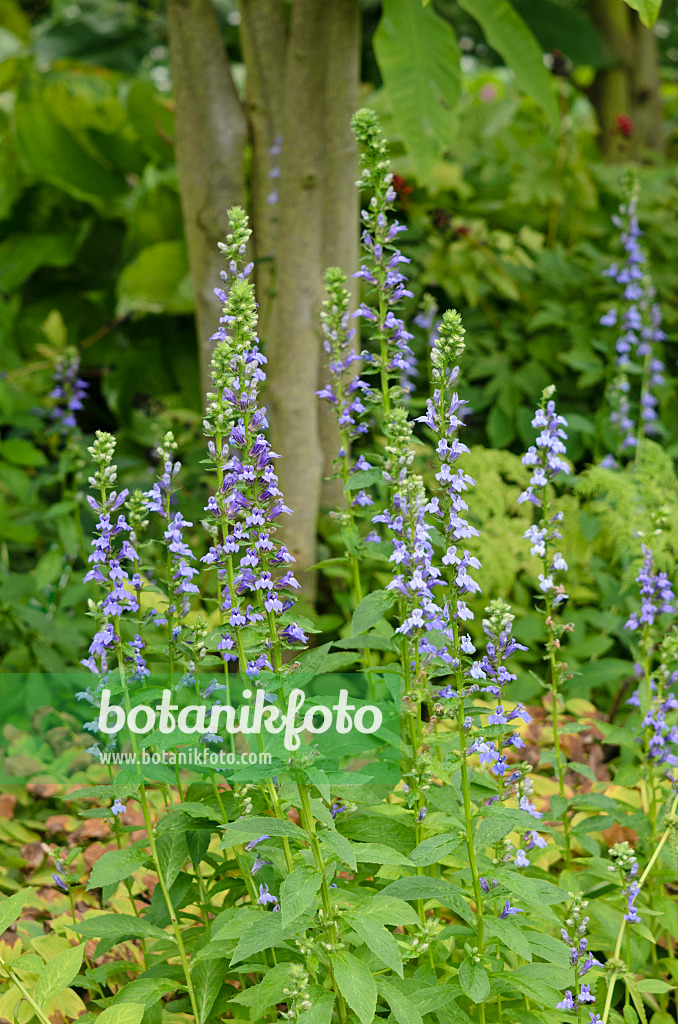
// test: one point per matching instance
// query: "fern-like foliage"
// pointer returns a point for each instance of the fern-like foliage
(635, 506)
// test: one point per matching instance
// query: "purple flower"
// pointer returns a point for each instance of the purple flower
(567, 1003)
(59, 882)
(521, 861)
(118, 807)
(508, 911)
(585, 995)
(266, 897)
(337, 809)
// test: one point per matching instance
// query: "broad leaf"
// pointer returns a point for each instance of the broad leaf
(265, 932)
(115, 866)
(10, 909)
(371, 609)
(402, 1008)
(298, 892)
(418, 58)
(341, 846)
(648, 10)
(507, 33)
(356, 985)
(58, 973)
(379, 940)
(474, 980)
(123, 1013)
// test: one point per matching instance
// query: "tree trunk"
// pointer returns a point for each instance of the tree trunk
(628, 85)
(211, 131)
(293, 336)
(263, 35)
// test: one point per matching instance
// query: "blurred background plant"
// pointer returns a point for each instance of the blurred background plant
(507, 192)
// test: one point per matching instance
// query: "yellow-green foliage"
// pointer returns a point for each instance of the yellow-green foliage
(635, 506)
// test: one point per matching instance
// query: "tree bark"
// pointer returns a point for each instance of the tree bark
(263, 36)
(628, 85)
(211, 132)
(293, 337)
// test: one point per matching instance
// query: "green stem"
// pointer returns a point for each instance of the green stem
(641, 880)
(154, 851)
(308, 824)
(25, 994)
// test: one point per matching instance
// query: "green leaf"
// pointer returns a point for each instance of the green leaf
(21, 452)
(422, 78)
(341, 846)
(21, 255)
(654, 985)
(648, 10)
(58, 973)
(321, 1008)
(119, 928)
(264, 932)
(11, 907)
(49, 152)
(582, 769)
(474, 980)
(115, 866)
(630, 1015)
(498, 823)
(157, 280)
(208, 977)
(146, 991)
(371, 609)
(269, 991)
(123, 1013)
(510, 934)
(507, 33)
(534, 890)
(379, 940)
(248, 828)
(387, 909)
(402, 1008)
(298, 892)
(432, 850)
(377, 853)
(419, 887)
(356, 985)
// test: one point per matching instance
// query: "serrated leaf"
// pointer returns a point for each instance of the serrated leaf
(387, 910)
(377, 853)
(208, 977)
(371, 609)
(298, 892)
(341, 846)
(402, 1008)
(145, 991)
(432, 850)
(11, 908)
(534, 890)
(322, 1004)
(264, 932)
(58, 973)
(248, 828)
(119, 928)
(356, 985)
(115, 866)
(474, 980)
(123, 1013)
(379, 940)
(510, 934)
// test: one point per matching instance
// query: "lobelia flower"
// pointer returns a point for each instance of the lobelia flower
(267, 897)
(656, 592)
(68, 392)
(255, 583)
(637, 320)
(382, 260)
(110, 549)
(118, 807)
(509, 911)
